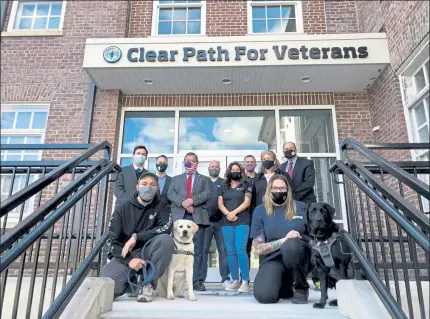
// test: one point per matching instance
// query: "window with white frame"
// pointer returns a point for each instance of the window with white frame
(179, 17)
(265, 16)
(37, 15)
(415, 90)
(21, 124)
(415, 86)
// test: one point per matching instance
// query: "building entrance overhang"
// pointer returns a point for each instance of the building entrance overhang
(246, 64)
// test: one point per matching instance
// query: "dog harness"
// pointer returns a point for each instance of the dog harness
(324, 250)
(177, 251)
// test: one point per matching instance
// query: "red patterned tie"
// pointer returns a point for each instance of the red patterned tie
(290, 169)
(190, 185)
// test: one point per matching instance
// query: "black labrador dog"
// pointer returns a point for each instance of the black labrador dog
(330, 256)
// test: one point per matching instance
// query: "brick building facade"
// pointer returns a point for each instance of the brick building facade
(45, 66)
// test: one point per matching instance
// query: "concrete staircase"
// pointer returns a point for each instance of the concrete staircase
(215, 304)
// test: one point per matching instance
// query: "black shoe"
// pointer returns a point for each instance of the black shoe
(301, 296)
(199, 287)
(288, 294)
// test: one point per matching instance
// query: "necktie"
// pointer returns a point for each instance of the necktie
(190, 185)
(290, 169)
(138, 170)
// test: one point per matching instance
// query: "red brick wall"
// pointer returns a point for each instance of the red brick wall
(140, 19)
(341, 16)
(406, 24)
(226, 18)
(49, 69)
(314, 17)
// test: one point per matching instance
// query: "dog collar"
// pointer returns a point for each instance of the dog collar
(177, 251)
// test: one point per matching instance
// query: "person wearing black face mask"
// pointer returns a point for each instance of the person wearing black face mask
(164, 180)
(234, 199)
(302, 173)
(280, 235)
(269, 167)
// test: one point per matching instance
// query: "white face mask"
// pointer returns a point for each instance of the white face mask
(139, 159)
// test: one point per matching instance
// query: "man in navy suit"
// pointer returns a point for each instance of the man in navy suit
(302, 173)
(164, 180)
(125, 185)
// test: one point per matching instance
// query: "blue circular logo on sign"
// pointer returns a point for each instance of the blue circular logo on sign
(112, 54)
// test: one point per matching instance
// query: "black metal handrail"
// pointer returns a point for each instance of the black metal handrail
(21, 196)
(396, 146)
(17, 250)
(413, 213)
(411, 230)
(373, 277)
(39, 214)
(75, 281)
(414, 183)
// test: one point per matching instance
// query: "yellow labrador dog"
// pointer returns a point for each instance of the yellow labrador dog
(180, 269)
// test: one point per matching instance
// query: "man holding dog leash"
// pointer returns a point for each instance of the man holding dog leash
(140, 235)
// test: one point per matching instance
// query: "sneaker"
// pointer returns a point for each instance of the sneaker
(244, 288)
(300, 296)
(145, 295)
(233, 286)
(225, 284)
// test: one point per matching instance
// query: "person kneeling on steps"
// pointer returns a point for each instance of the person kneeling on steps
(280, 235)
(140, 229)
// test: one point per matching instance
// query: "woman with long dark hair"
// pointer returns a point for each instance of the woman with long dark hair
(234, 199)
(280, 235)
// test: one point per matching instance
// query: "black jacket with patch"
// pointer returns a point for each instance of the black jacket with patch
(131, 217)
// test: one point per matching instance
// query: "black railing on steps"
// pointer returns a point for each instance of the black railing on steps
(52, 226)
(389, 231)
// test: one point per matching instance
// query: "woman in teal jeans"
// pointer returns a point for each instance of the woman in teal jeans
(234, 199)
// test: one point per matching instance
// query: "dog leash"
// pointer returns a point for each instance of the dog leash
(143, 278)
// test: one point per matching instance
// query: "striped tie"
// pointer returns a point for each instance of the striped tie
(290, 169)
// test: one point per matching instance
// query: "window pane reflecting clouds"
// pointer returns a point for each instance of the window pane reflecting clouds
(155, 130)
(311, 130)
(227, 130)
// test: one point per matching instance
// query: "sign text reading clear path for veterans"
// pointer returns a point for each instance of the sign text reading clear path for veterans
(219, 54)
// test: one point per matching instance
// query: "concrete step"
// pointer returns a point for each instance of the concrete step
(215, 304)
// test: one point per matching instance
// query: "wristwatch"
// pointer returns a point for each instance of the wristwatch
(134, 236)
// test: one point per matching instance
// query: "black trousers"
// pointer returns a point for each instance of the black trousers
(276, 278)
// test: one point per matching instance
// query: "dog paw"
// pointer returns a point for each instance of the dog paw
(333, 303)
(192, 298)
(180, 295)
(170, 297)
(319, 305)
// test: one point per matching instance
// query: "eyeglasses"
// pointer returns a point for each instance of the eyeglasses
(279, 189)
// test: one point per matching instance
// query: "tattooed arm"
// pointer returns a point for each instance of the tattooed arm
(263, 248)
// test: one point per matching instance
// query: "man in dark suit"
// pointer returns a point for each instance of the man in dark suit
(164, 180)
(189, 194)
(125, 185)
(302, 172)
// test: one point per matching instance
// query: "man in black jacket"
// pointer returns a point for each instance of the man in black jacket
(214, 230)
(302, 172)
(143, 221)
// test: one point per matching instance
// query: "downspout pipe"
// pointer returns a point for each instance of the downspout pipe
(4, 5)
(89, 112)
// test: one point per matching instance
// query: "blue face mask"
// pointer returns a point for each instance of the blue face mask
(139, 159)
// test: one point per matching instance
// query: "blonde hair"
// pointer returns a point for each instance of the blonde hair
(290, 205)
(275, 159)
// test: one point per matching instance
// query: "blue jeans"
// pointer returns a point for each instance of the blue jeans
(235, 239)
(215, 231)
